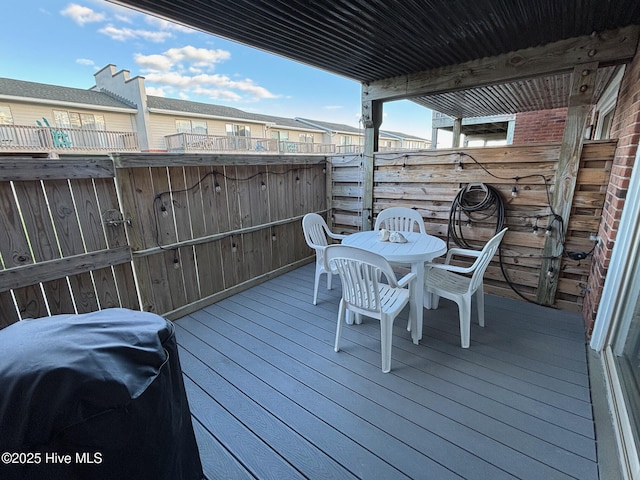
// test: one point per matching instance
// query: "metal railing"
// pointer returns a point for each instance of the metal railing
(194, 142)
(16, 138)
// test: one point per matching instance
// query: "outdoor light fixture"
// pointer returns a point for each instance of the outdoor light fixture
(514, 191)
(459, 167)
(218, 187)
(263, 186)
(550, 272)
(536, 230)
(548, 230)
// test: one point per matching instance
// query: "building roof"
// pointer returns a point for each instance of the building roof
(19, 89)
(199, 108)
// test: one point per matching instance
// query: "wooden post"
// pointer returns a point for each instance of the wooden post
(580, 102)
(371, 119)
(457, 130)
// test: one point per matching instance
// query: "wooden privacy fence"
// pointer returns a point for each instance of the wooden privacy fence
(189, 229)
(429, 181)
(170, 233)
(57, 253)
(204, 226)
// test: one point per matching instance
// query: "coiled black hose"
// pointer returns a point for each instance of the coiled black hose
(474, 203)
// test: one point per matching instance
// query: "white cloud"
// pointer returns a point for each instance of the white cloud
(123, 18)
(153, 62)
(333, 107)
(214, 86)
(184, 58)
(85, 61)
(199, 57)
(189, 69)
(166, 25)
(156, 91)
(124, 34)
(82, 15)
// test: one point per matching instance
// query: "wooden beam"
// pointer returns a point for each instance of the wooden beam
(580, 102)
(132, 160)
(606, 48)
(219, 236)
(372, 119)
(17, 169)
(32, 274)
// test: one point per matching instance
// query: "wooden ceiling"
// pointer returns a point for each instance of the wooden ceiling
(383, 42)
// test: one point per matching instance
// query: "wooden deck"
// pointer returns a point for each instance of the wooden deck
(271, 399)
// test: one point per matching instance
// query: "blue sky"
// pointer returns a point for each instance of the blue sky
(65, 43)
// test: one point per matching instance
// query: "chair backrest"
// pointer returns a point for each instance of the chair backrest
(360, 273)
(400, 219)
(482, 262)
(315, 230)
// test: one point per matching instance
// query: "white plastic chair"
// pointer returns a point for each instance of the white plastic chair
(363, 293)
(316, 232)
(399, 219)
(450, 282)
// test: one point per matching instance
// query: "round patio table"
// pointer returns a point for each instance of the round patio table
(420, 248)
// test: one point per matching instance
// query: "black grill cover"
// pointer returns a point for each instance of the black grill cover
(105, 388)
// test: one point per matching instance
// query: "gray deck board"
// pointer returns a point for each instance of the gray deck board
(271, 399)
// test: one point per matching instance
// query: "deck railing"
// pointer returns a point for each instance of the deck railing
(19, 138)
(201, 143)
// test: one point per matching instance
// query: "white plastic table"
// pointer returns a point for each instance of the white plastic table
(420, 248)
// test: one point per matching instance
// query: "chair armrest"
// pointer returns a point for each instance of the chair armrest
(337, 236)
(407, 279)
(464, 252)
(452, 268)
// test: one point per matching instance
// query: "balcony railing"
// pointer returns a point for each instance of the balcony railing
(349, 149)
(193, 142)
(18, 138)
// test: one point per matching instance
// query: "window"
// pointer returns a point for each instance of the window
(606, 106)
(278, 135)
(604, 125)
(234, 130)
(306, 138)
(345, 140)
(5, 115)
(86, 121)
(191, 126)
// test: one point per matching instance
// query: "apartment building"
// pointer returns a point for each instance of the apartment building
(117, 115)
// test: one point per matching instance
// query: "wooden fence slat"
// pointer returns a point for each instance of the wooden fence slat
(63, 213)
(8, 312)
(14, 249)
(113, 225)
(43, 242)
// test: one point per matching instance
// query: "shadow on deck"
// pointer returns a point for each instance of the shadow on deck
(271, 399)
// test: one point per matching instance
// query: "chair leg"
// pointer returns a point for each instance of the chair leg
(480, 305)
(386, 335)
(464, 311)
(435, 300)
(341, 314)
(329, 278)
(315, 286)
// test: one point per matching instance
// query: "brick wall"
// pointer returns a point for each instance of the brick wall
(626, 128)
(543, 126)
